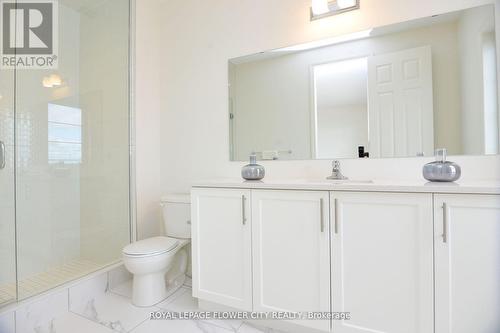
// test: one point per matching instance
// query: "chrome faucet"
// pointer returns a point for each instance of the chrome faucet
(336, 173)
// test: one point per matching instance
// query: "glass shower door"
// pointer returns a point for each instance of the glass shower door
(8, 289)
(72, 143)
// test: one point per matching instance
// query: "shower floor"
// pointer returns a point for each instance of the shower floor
(46, 280)
(7, 293)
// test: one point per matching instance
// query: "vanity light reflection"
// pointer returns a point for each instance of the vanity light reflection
(324, 8)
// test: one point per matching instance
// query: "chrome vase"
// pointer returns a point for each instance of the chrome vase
(253, 171)
(442, 170)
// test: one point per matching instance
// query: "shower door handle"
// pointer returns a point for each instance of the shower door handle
(2, 155)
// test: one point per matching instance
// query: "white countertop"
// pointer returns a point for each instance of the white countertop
(471, 187)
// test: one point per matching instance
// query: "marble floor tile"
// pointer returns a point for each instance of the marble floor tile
(111, 310)
(39, 315)
(178, 326)
(251, 328)
(7, 322)
(118, 276)
(75, 324)
(123, 289)
(183, 301)
(187, 303)
(82, 292)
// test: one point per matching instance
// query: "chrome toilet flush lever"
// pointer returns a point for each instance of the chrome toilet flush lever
(336, 172)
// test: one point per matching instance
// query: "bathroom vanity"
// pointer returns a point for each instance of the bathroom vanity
(399, 257)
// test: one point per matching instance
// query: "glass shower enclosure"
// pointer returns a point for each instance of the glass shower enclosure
(64, 147)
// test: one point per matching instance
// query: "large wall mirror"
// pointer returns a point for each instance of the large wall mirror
(396, 91)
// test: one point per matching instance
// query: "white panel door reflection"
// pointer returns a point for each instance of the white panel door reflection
(400, 104)
(381, 104)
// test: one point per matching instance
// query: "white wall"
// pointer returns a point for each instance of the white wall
(147, 116)
(472, 26)
(198, 37)
(271, 104)
(341, 130)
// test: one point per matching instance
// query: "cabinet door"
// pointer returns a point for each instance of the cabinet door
(291, 253)
(221, 242)
(467, 250)
(382, 268)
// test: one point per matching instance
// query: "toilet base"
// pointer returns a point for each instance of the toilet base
(149, 289)
(157, 294)
(152, 288)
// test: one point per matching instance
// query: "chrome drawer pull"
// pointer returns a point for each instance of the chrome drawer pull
(445, 223)
(322, 220)
(243, 213)
(336, 203)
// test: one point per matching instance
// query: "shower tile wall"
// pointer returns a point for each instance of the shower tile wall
(7, 202)
(48, 197)
(104, 90)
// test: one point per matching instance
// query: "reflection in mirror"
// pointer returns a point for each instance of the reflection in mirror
(341, 115)
(396, 91)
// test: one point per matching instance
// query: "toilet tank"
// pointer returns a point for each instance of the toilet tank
(176, 211)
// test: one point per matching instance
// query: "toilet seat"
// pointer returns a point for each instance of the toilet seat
(150, 247)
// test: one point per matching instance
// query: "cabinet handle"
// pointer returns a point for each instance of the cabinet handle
(336, 215)
(243, 213)
(2, 155)
(445, 223)
(322, 220)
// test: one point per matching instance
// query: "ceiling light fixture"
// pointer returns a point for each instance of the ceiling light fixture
(325, 8)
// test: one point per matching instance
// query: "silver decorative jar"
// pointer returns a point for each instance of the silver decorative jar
(253, 171)
(442, 170)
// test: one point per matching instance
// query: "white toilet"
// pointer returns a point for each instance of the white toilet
(159, 264)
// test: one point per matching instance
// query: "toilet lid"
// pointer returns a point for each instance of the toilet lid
(154, 245)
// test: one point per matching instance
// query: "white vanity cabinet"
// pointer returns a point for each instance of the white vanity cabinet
(221, 245)
(382, 262)
(290, 246)
(409, 260)
(467, 250)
